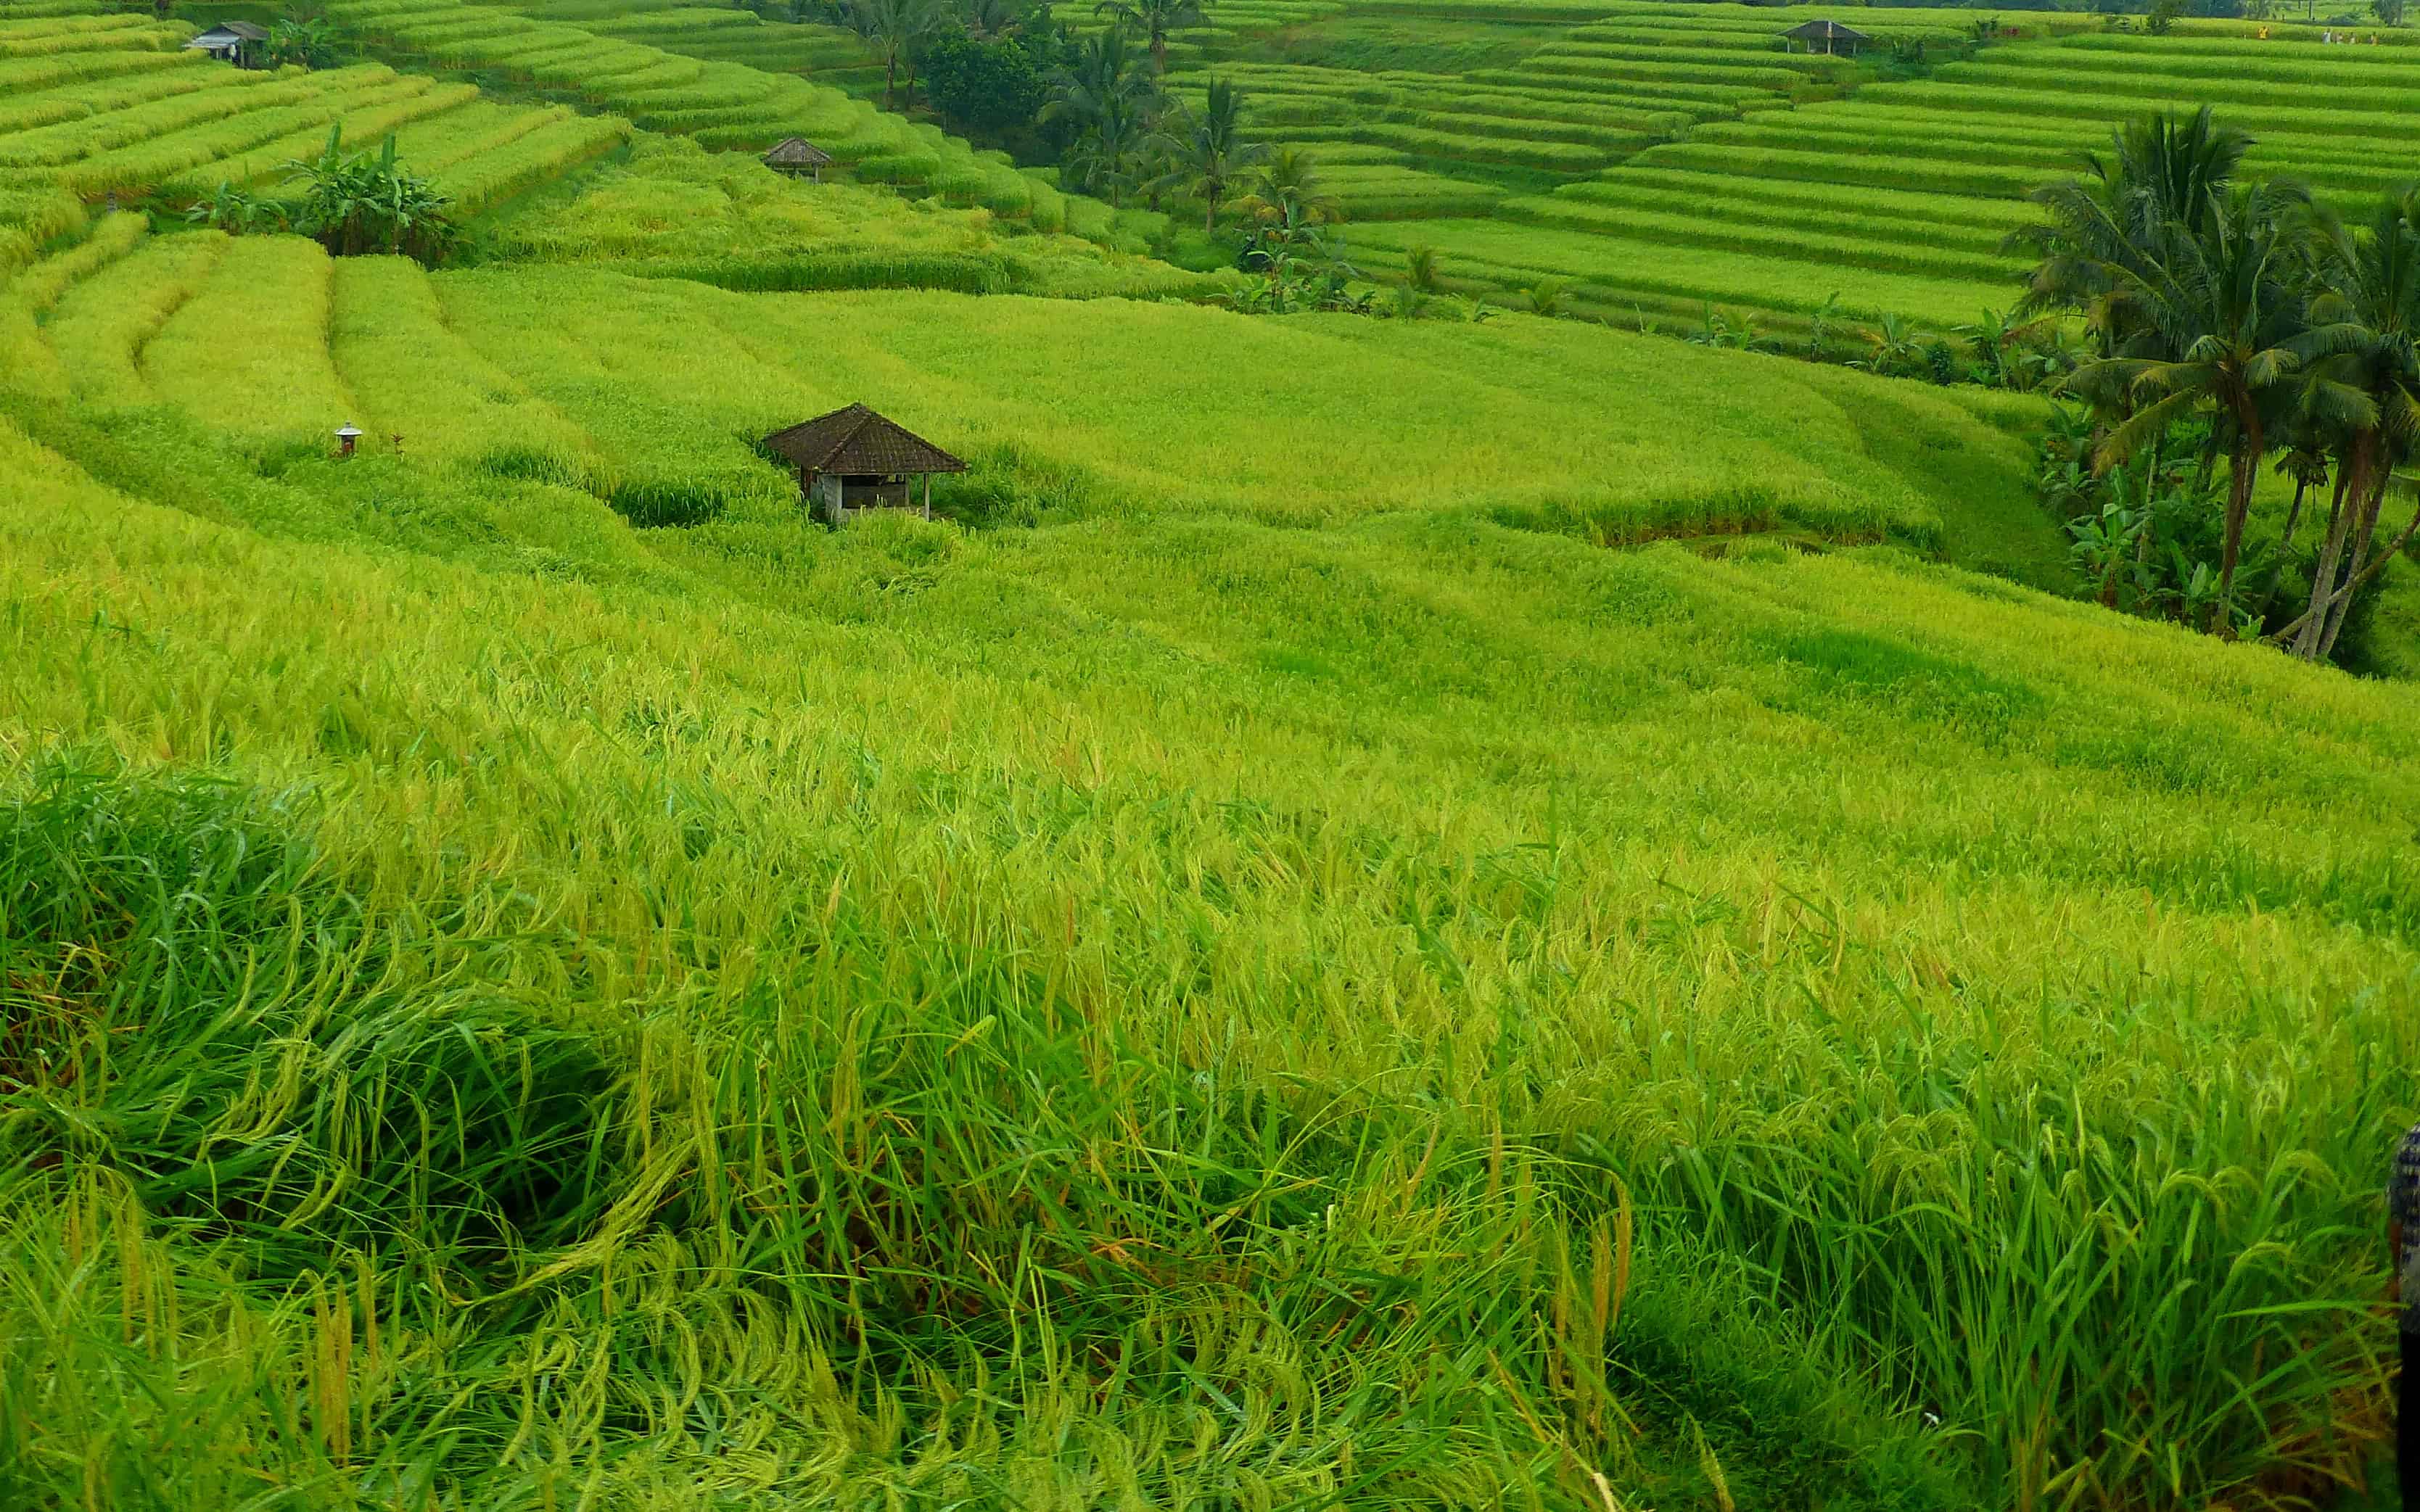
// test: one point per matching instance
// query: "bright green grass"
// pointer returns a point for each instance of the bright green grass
(1788, 201)
(664, 382)
(1285, 981)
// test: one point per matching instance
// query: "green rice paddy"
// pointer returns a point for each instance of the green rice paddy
(1655, 91)
(1381, 913)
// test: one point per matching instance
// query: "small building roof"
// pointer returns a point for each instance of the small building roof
(1826, 31)
(855, 441)
(797, 152)
(230, 31)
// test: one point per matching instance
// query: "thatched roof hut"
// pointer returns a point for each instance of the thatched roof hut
(853, 458)
(1830, 37)
(797, 155)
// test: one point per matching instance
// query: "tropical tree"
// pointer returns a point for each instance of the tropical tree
(356, 203)
(983, 86)
(1115, 108)
(1213, 152)
(895, 28)
(237, 211)
(300, 43)
(1288, 189)
(992, 20)
(2163, 171)
(1154, 20)
(2365, 387)
(2225, 299)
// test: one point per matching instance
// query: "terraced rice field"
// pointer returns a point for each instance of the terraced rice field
(1581, 98)
(102, 106)
(827, 54)
(1660, 159)
(722, 104)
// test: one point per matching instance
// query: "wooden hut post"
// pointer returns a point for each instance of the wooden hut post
(929, 496)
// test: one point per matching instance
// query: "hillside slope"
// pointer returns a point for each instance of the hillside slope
(1276, 983)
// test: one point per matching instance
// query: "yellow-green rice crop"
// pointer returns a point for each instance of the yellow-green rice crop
(676, 210)
(103, 322)
(1411, 1013)
(249, 349)
(39, 287)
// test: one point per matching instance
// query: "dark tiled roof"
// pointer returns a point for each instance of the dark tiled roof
(797, 152)
(1827, 31)
(242, 31)
(857, 440)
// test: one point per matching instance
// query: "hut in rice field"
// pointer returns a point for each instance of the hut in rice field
(231, 41)
(853, 458)
(797, 155)
(1829, 38)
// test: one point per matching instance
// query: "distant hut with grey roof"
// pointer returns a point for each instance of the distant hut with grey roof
(1830, 38)
(853, 458)
(797, 155)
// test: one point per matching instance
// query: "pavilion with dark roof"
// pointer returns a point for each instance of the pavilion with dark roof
(854, 459)
(1830, 37)
(797, 155)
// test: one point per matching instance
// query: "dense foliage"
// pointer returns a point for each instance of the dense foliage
(2249, 306)
(984, 87)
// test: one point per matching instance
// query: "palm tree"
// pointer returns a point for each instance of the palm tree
(2225, 299)
(1289, 189)
(992, 20)
(1214, 151)
(2163, 171)
(893, 26)
(2367, 387)
(1155, 20)
(1115, 108)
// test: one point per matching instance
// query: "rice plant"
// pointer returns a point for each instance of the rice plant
(753, 1015)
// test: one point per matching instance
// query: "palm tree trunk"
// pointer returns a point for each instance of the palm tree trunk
(2355, 469)
(1158, 50)
(1210, 216)
(2143, 527)
(2285, 542)
(2238, 508)
(2294, 516)
(2377, 563)
(2354, 576)
(889, 77)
